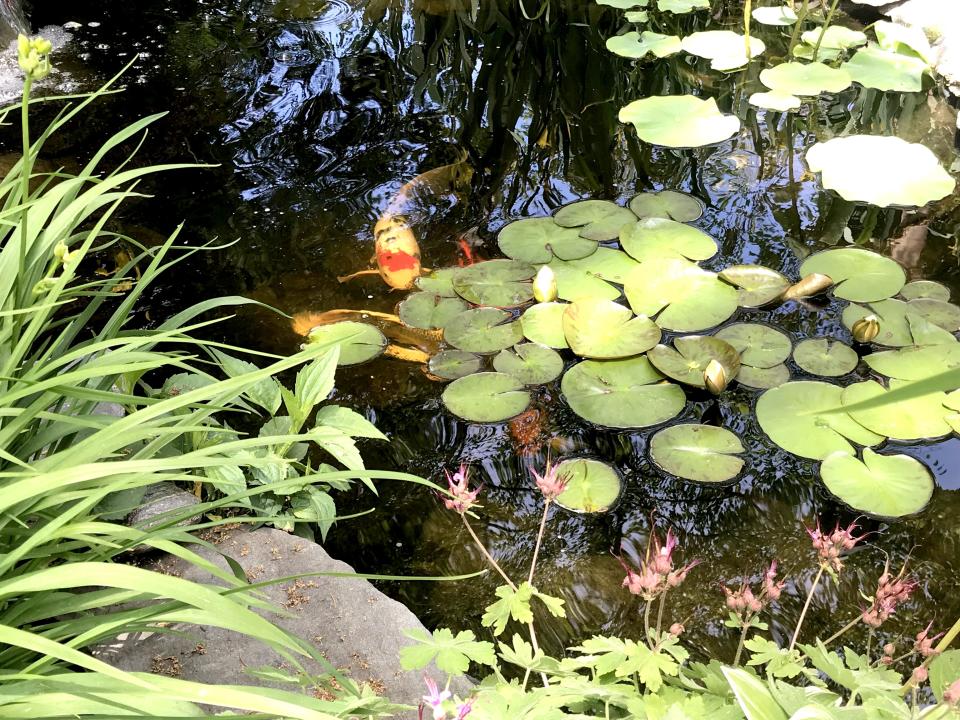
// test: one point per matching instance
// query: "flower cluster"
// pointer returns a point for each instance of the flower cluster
(744, 602)
(462, 498)
(656, 573)
(891, 591)
(435, 701)
(829, 546)
(32, 56)
(924, 643)
(551, 483)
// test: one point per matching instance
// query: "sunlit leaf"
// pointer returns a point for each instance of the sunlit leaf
(486, 397)
(702, 453)
(592, 486)
(886, 486)
(679, 121)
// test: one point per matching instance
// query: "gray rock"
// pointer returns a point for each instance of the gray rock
(356, 627)
(158, 500)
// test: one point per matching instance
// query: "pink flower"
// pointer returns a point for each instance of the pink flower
(890, 593)
(951, 696)
(656, 574)
(551, 484)
(435, 699)
(830, 546)
(920, 674)
(677, 629)
(462, 498)
(924, 643)
(772, 588)
(464, 709)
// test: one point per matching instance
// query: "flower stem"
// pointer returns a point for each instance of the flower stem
(646, 622)
(489, 558)
(941, 646)
(663, 598)
(747, 10)
(26, 170)
(806, 606)
(842, 630)
(826, 24)
(536, 547)
(743, 637)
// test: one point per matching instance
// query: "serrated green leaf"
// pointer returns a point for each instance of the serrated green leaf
(452, 653)
(513, 603)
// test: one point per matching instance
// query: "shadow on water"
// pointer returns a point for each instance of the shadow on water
(315, 112)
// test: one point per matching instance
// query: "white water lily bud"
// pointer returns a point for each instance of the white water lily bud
(545, 285)
(715, 377)
(866, 329)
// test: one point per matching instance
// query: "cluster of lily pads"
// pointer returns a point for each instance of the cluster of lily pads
(613, 280)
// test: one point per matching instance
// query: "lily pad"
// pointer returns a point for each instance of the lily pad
(687, 297)
(915, 363)
(925, 332)
(486, 397)
(760, 346)
(921, 418)
(859, 275)
(805, 78)
(538, 240)
(607, 264)
(892, 315)
(886, 486)
(603, 329)
(680, 7)
(592, 486)
(792, 416)
(702, 453)
(758, 285)
(667, 204)
(483, 331)
(638, 45)
(453, 364)
(656, 237)
(904, 39)
(543, 323)
(574, 283)
(637, 16)
(778, 16)
(763, 378)
(597, 219)
(880, 170)
(779, 101)
(530, 363)
(689, 357)
(621, 393)
(836, 37)
(826, 357)
(439, 282)
(428, 311)
(359, 342)
(925, 289)
(497, 283)
(623, 4)
(938, 312)
(725, 49)
(679, 121)
(880, 69)
(804, 51)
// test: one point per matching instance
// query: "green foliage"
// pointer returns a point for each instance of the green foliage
(515, 603)
(452, 653)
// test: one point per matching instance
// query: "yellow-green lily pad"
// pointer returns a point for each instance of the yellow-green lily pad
(760, 346)
(656, 237)
(859, 275)
(881, 69)
(359, 342)
(486, 397)
(605, 330)
(679, 121)
(836, 37)
(757, 285)
(439, 282)
(702, 453)
(687, 297)
(530, 363)
(826, 357)
(592, 486)
(638, 45)
(668, 204)
(483, 331)
(543, 323)
(597, 219)
(680, 7)
(538, 240)
(725, 49)
(925, 289)
(607, 264)
(763, 378)
(497, 283)
(688, 358)
(574, 282)
(453, 364)
(428, 311)
(805, 78)
(920, 418)
(884, 486)
(915, 363)
(774, 100)
(778, 16)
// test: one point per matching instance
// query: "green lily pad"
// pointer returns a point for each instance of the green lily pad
(498, 283)
(359, 342)
(607, 264)
(623, 4)
(428, 311)
(792, 416)
(530, 363)
(938, 312)
(605, 330)
(702, 453)
(543, 323)
(886, 486)
(884, 70)
(915, 363)
(925, 289)
(760, 346)
(679, 121)
(925, 332)
(486, 397)
(805, 78)
(687, 297)
(668, 204)
(917, 419)
(597, 219)
(638, 45)
(689, 357)
(880, 170)
(804, 51)
(574, 283)
(777, 16)
(592, 486)
(453, 364)
(725, 49)
(892, 314)
(826, 357)
(621, 393)
(680, 7)
(836, 37)
(757, 285)
(538, 240)
(655, 237)
(779, 101)
(483, 331)
(904, 39)
(439, 282)
(859, 275)
(763, 378)
(637, 16)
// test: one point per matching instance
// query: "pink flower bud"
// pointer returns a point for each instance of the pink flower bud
(886, 660)
(951, 696)
(889, 649)
(677, 629)
(920, 674)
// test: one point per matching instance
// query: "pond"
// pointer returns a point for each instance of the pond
(313, 114)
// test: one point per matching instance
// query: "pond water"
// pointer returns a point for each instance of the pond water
(315, 112)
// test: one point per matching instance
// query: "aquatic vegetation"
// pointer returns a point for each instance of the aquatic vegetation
(825, 357)
(882, 485)
(702, 453)
(679, 121)
(590, 486)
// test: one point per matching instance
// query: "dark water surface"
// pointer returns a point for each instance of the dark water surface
(315, 112)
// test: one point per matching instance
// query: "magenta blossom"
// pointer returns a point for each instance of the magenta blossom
(891, 591)
(744, 602)
(464, 709)
(434, 699)
(462, 498)
(772, 588)
(551, 483)
(829, 546)
(924, 643)
(656, 573)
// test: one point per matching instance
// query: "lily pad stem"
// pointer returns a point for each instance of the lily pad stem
(536, 547)
(842, 630)
(823, 31)
(801, 17)
(806, 606)
(747, 10)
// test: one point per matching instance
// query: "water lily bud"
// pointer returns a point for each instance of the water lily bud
(715, 377)
(545, 285)
(812, 284)
(866, 329)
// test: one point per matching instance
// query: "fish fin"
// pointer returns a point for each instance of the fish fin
(359, 273)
